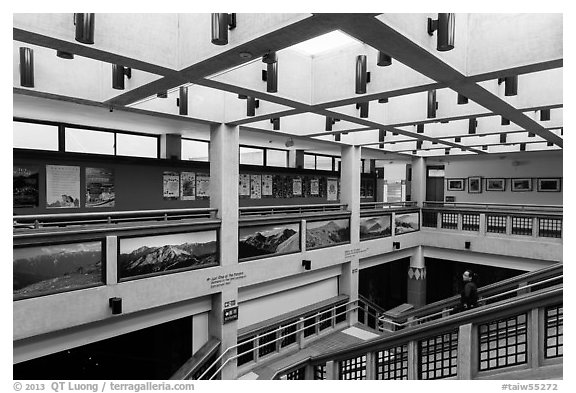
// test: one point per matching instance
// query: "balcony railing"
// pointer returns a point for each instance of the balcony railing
(291, 209)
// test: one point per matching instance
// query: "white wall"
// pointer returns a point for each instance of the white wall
(521, 165)
(266, 307)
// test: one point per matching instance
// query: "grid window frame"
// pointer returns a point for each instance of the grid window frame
(438, 356)
(496, 223)
(471, 222)
(522, 225)
(320, 372)
(298, 374)
(503, 343)
(353, 368)
(267, 338)
(449, 220)
(554, 332)
(550, 227)
(392, 363)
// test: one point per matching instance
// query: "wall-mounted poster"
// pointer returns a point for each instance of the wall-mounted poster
(327, 233)
(25, 186)
(474, 185)
(332, 189)
(41, 270)
(255, 186)
(266, 185)
(378, 226)
(455, 184)
(314, 186)
(265, 240)
(244, 185)
(171, 185)
(297, 186)
(406, 222)
(62, 186)
(100, 187)
(202, 186)
(159, 254)
(188, 186)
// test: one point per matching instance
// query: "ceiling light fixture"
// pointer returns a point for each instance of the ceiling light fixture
(64, 55)
(432, 104)
(84, 28)
(462, 99)
(446, 26)
(510, 85)
(270, 75)
(118, 73)
(26, 67)
(544, 114)
(182, 101)
(383, 60)
(362, 75)
(221, 23)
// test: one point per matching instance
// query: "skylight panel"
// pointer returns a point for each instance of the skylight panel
(324, 43)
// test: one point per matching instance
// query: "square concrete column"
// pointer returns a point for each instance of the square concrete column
(418, 183)
(224, 197)
(350, 195)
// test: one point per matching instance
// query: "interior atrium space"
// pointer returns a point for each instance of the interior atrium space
(259, 196)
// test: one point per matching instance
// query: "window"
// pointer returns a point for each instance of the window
(277, 158)
(195, 150)
(89, 141)
(309, 161)
(323, 163)
(136, 145)
(251, 156)
(34, 136)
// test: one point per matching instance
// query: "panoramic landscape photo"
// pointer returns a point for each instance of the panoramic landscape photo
(158, 254)
(377, 226)
(406, 222)
(264, 240)
(41, 270)
(327, 233)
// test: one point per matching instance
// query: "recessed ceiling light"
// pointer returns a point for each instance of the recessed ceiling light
(245, 55)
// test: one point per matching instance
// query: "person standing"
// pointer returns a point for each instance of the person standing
(469, 295)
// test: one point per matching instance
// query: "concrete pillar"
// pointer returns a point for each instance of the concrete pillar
(171, 146)
(418, 180)
(224, 197)
(111, 260)
(350, 195)
(417, 278)
(465, 352)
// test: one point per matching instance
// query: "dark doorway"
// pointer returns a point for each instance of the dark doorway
(435, 183)
(156, 352)
(385, 285)
(444, 278)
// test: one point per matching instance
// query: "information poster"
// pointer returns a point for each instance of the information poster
(62, 186)
(314, 187)
(100, 187)
(171, 185)
(297, 186)
(332, 190)
(25, 187)
(188, 186)
(266, 185)
(202, 185)
(244, 185)
(255, 186)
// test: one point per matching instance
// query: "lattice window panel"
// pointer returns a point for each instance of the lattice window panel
(289, 338)
(554, 337)
(495, 224)
(243, 347)
(296, 374)
(392, 363)
(326, 318)
(264, 339)
(429, 219)
(550, 227)
(470, 222)
(340, 314)
(449, 221)
(503, 342)
(522, 226)
(438, 356)
(354, 368)
(309, 325)
(320, 372)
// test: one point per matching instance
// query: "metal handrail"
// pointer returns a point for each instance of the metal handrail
(418, 320)
(39, 220)
(283, 327)
(387, 205)
(486, 206)
(288, 209)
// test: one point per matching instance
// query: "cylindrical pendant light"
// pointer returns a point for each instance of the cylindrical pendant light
(272, 77)
(431, 104)
(183, 101)
(26, 67)
(446, 32)
(84, 28)
(383, 59)
(220, 29)
(361, 74)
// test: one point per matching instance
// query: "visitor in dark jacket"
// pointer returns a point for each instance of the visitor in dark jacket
(469, 295)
